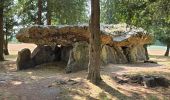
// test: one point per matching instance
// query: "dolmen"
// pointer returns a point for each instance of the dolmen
(70, 44)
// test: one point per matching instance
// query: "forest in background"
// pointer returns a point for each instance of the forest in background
(151, 15)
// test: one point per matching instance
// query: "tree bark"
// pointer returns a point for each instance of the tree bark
(146, 51)
(6, 52)
(48, 13)
(1, 30)
(95, 44)
(167, 50)
(39, 22)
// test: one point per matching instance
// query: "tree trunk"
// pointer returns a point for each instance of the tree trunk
(6, 52)
(1, 31)
(39, 12)
(95, 44)
(146, 51)
(167, 50)
(48, 13)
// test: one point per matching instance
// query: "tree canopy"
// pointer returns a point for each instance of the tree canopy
(151, 15)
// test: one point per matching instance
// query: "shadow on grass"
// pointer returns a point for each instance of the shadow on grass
(120, 96)
(113, 91)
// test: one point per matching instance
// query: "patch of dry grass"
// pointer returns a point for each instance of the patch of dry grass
(108, 90)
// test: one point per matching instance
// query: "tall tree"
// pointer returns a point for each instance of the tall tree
(49, 12)
(9, 21)
(26, 11)
(167, 50)
(95, 43)
(39, 19)
(108, 11)
(163, 35)
(151, 15)
(1, 30)
(69, 11)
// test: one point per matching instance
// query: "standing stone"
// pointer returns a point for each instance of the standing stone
(140, 53)
(43, 54)
(131, 54)
(65, 53)
(24, 60)
(79, 57)
(112, 55)
(135, 53)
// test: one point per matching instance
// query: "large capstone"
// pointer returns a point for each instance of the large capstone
(24, 60)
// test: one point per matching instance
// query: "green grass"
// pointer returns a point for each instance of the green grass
(10, 57)
(159, 56)
(152, 97)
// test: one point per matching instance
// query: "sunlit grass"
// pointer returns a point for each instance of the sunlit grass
(12, 57)
(159, 56)
(88, 91)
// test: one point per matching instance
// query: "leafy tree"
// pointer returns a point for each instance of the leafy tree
(95, 44)
(163, 35)
(52, 11)
(69, 11)
(49, 12)
(39, 19)
(9, 22)
(148, 14)
(108, 11)
(27, 12)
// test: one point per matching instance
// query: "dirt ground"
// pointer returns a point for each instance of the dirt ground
(49, 81)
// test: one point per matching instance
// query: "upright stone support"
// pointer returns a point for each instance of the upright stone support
(135, 53)
(141, 54)
(79, 57)
(24, 60)
(65, 53)
(43, 54)
(112, 55)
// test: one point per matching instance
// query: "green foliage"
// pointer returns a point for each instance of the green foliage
(151, 15)
(69, 11)
(108, 13)
(27, 11)
(63, 11)
(9, 21)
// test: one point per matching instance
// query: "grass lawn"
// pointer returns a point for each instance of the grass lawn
(46, 81)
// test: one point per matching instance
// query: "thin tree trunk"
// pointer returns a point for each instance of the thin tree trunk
(48, 13)
(167, 50)
(146, 51)
(1, 30)
(6, 52)
(95, 44)
(39, 12)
